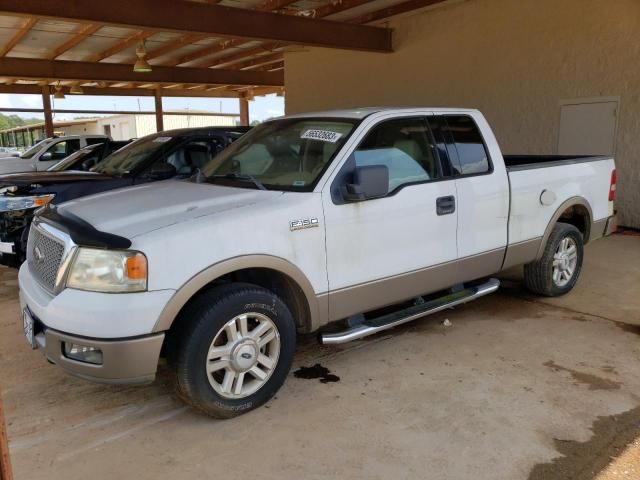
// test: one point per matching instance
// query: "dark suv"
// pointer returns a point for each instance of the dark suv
(161, 156)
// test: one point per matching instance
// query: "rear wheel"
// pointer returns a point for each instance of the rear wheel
(557, 271)
(234, 351)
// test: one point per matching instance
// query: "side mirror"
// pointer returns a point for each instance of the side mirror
(162, 171)
(368, 182)
(46, 157)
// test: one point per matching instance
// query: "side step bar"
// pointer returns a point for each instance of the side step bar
(375, 325)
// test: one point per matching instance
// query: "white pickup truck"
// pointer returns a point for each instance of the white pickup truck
(46, 153)
(363, 219)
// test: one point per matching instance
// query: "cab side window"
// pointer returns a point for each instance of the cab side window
(63, 149)
(405, 147)
(192, 156)
(468, 146)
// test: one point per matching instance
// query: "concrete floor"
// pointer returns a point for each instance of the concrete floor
(518, 387)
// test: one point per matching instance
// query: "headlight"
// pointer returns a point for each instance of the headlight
(8, 204)
(108, 271)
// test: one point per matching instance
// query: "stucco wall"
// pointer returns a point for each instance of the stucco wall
(513, 59)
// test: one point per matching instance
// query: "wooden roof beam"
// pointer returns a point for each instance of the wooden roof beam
(243, 54)
(213, 20)
(122, 45)
(332, 8)
(82, 33)
(323, 11)
(20, 34)
(116, 72)
(267, 6)
(396, 9)
(259, 62)
(223, 91)
(171, 46)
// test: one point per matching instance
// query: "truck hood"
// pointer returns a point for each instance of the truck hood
(15, 165)
(145, 208)
(49, 178)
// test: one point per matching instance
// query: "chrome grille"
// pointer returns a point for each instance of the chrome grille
(44, 256)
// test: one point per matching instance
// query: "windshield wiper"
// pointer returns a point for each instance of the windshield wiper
(240, 176)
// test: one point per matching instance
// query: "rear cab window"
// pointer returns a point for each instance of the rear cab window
(466, 148)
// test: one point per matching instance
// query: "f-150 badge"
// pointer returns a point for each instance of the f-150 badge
(303, 223)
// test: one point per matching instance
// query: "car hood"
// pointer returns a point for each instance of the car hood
(49, 178)
(15, 165)
(145, 208)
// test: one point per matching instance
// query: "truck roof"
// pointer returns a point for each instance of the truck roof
(202, 130)
(362, 112)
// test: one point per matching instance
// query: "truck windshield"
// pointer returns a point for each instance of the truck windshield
(36, 148)
(288, 154)
(134, 155)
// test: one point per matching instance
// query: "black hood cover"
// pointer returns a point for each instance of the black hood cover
(81, 231)
(50, 178)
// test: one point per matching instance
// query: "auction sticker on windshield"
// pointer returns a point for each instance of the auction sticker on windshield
(322, 135)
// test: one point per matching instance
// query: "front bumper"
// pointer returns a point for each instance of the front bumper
(126, 361)
(121, 326)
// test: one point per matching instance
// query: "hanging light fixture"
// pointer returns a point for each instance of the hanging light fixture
(141, 65)
(58, 94)
(76, 89)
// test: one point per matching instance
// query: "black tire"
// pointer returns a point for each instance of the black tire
(538, 275)
(206, 317)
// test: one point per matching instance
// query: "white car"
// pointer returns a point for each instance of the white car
(308, 220)
(10, 152)
(47, 153)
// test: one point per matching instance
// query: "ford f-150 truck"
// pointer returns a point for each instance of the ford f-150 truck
(171, 154)
(363, 219)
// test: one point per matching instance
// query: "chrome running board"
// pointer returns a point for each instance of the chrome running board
(375, 325)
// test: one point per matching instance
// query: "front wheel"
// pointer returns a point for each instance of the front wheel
(235, 350)
(557, 271)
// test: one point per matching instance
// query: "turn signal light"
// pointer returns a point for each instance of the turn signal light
(137, 267)
(42, 201)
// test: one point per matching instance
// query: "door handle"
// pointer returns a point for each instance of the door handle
(446, 205)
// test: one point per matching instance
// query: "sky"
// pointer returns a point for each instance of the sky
(259, 109)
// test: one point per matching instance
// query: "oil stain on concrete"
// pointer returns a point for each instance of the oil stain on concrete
(584, 460)
(593, 381)
(317, 371)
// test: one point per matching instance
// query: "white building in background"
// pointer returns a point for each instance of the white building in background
(124, 127)
(119, 127)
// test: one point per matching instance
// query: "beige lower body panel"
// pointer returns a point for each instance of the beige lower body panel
(380, 293)
(521, 253)
(600, 228)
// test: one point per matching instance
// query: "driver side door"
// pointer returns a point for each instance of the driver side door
(386, 250)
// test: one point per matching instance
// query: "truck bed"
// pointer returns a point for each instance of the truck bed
(526, 162)
(566, 177)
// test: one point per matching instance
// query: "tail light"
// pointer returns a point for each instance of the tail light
(612, 186)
